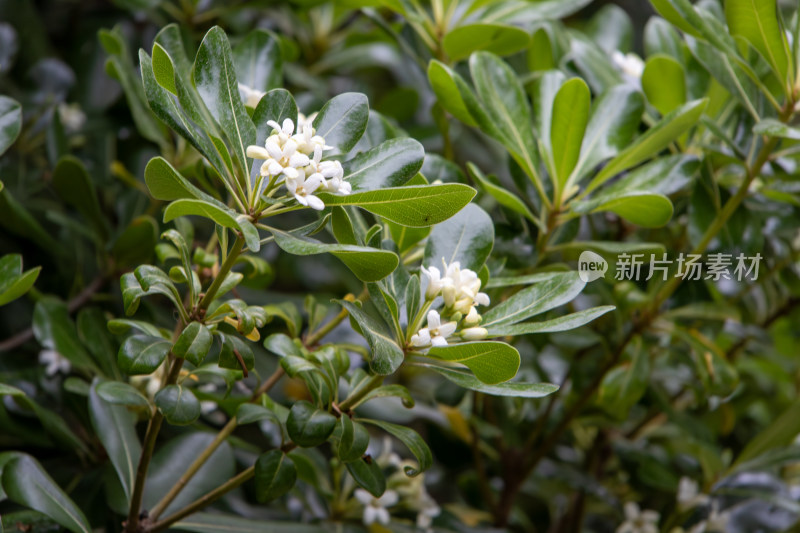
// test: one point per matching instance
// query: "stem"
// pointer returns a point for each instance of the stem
(201, 502)
(238, 244)
(153, 427)
(359, 393)
(223, 434)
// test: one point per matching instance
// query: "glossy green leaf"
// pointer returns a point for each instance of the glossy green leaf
(411, 440)
(625, 384)
(664, 83)
(342, 121)
(259, 61)
(387, 355)
(416, 206)
(277, 105)
(390, 164)
(13, 281)
(26, 483)
(570, 116)
(779, 433)
(615, 120)
(119, 393)
(178, 404)
(368, 264)
(231, 344)
(447, 93)
(135, 244)
(492, 362)
(467, 237)
(10, 122)
(221, 215)
(506, 112)
(368, 475)
(275, 475)
(308, 426)
(352, 440)
(55, 330)
(214, 522)
(646, 209)
(166, 183)
(653, 141)
(193, 344)
(215, 79)
(342, 226)
(500, 39)
(562, 323)
(142, 354)
(115, 426)
(540, 297)
(757, 21)
(511, 389)
(504, 197)
(776, 128)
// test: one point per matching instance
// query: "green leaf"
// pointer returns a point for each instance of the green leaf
(664, 83)
(444, 86)
(55, 330)
(75, 187)
(562, 323)
(227, 355)
(531, 12)
(259, 61)
(13, 282)
(193, 343)
(492, 362)
(178, 404)
(499, 39)
(275, 475)
(352, 438)
(221, 215)
(28, 484)
(416, 206)
(115, 426)
(215, 79)
(505, 113)
(614, 121)
(385, 391)
(646, 209)
(776, 128)
(277, 105)
(781, 432)
(368, 264)
(10, 122)
(512, 389)
(142, 354)
(570, 116)
(411, 440)
(504, 197)
(538, 298)
(166, 183)
(135, 244)
(757, 21)
(342, 226)
(625, 384)
(342, 121)
(216, 522)
(467, 237)
(368, 475)
(387, 355)
(390, 164)
(281, 345)
(118, 393)
(308, 426)
(247, 413)
(653, 141)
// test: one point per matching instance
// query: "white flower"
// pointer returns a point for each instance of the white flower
(435, 333)
(630, 64)
(250, 96)
(689, 496)
(54, 362)
(375, 508)
(388, 457)
(427, 510)
(71, 116)
(302, 120)
(461, 290)
(435, 282)
(307, 140)
(303, 187)
(716, 522)
(638, 521)
(472, 318)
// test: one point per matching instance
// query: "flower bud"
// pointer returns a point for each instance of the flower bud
(472, 318)
(474, 334)
(463, 305)
(449, 295)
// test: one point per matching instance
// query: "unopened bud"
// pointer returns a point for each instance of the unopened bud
(474, 334)
(449, 295)
(472, 318)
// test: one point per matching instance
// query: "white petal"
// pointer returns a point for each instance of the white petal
(288, 126)
(482, 298)
(447, 329)
(370, 514)
(422, 338)
(388, 499)
(439, 341)
(313, 182)
(382, 515)
(274, 125)
(298, 160)
(273, 149)
(315, 203)
(291, 173)
(301, 199)
(434, 321)
(363, 496)
(345, 188)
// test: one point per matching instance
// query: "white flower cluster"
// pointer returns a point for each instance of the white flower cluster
(639, 521)
(296, 157)
(460, 291)
(630, 64)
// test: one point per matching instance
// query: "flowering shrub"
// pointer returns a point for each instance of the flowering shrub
(589, 330)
